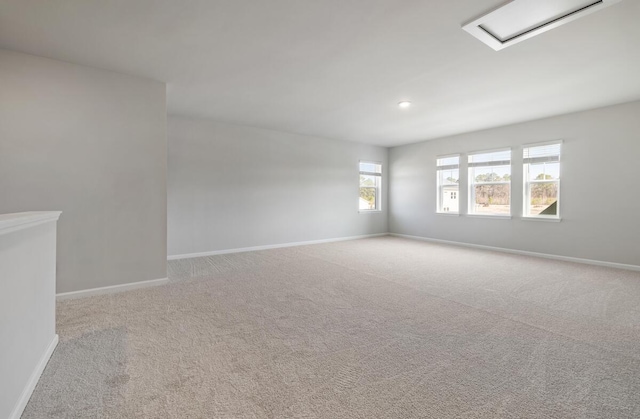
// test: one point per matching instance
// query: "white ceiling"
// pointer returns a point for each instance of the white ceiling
(338, 68)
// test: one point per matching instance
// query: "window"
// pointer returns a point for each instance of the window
(448, 169)
(541, 174)
(370, 186)
(490, 183)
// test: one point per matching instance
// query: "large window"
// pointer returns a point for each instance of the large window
(370, 186)
(448, 184)
(490, 183)
(541, 180)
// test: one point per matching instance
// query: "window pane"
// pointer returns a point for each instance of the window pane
(491, 199)
(492, 156)
(490, 183)
(370, 167)
(541, 151)
(369, 190)
(367, 198)
(543, 197)
(449, 177)
(448, 161)
(491, 174)
(542, 180)
(544, 171)
(448, 174)
(369, 180)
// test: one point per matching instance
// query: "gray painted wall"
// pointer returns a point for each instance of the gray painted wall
(233, 187)
(92, 144)
(600, 204)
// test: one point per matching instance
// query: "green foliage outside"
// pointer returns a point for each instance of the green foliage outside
(368, 190)
(544, 193)
(492, 194)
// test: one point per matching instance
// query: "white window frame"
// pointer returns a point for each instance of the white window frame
(472, 182)
(378, 207)
(527, 182)
(440, 187)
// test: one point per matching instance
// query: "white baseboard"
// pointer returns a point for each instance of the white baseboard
(33, 380)
(111, 289)
(524, 252)
(270, 246)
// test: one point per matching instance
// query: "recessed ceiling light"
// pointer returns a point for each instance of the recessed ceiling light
(404, 104)
(522, 19)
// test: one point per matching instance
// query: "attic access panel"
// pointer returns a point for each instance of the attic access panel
(519, 20)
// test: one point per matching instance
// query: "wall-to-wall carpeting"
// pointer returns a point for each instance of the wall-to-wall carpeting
(375, 328)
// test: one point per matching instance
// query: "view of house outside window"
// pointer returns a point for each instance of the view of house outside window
(448, 176)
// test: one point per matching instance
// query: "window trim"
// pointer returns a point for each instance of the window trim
(378, 208)
(526, 186)
(472, 183)
(491, 216)
(439, 187)
(493, 150)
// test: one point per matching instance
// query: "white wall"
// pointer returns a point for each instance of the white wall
(27, 305)
(92, 144)
(232, 187)
(600, 204)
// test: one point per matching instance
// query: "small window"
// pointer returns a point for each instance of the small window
(370, 186)
(490, 183)
(448, 169)
(541, 174)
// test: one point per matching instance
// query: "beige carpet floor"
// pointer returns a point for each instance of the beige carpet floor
(375, 328)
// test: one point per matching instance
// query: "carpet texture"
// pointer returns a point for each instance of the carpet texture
(376, 328)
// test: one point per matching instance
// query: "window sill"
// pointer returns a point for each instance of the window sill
(497, 217)
(369, 211)
(450, 214)
(545, 219)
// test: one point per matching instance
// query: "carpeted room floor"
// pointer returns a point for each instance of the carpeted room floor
(376, 328)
